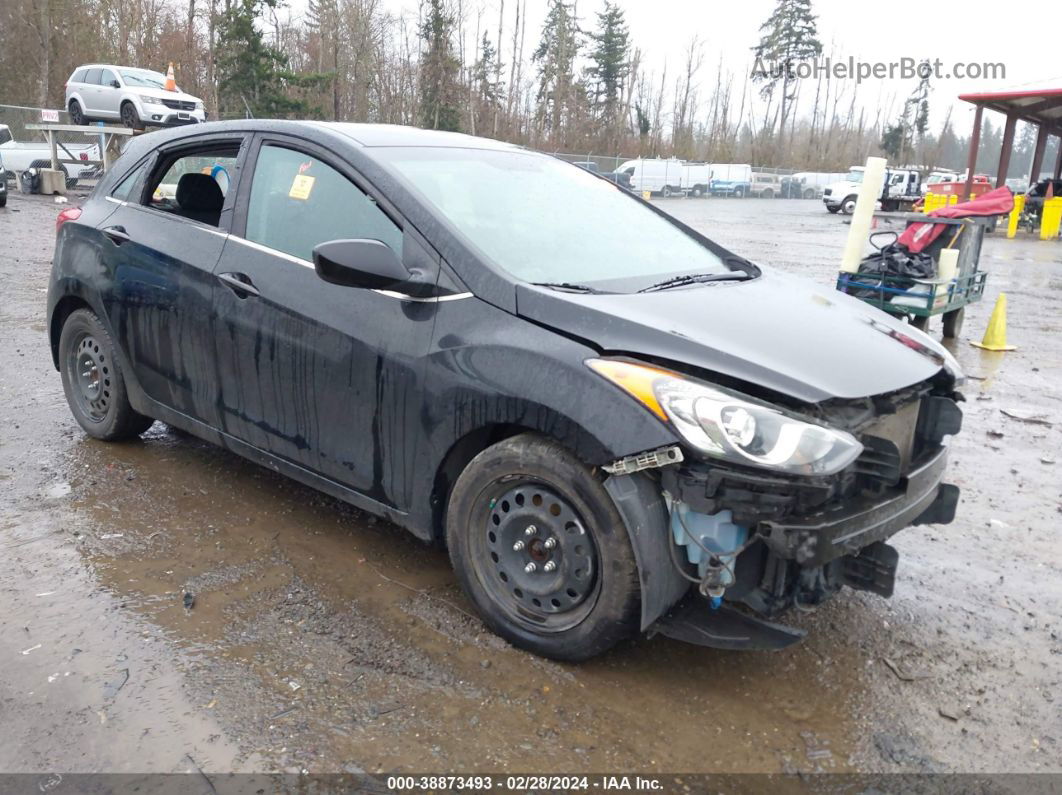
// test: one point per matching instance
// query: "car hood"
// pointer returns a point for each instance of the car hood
(776, 331)
(161, 93)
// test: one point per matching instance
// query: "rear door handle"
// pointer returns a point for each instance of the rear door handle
(239, 283)
(117, 234)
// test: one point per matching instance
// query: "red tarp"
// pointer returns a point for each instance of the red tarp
(997, 202)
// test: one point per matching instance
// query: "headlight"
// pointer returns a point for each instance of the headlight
(200, 106)
(147, 99)
(731, 427)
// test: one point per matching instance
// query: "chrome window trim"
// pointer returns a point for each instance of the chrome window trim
(307, 264)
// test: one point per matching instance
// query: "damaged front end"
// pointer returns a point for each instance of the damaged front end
(757, 542)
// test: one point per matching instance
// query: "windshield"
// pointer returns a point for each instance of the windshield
(855, 176)
(546, 221)
(142, 78)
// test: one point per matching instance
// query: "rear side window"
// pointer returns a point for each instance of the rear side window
(297, 202)
(194, 184)
(92, 77)
(79, 76)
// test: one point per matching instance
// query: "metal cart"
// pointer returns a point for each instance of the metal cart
(928, 297)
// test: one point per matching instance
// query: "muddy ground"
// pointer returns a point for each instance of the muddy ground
(323, 640)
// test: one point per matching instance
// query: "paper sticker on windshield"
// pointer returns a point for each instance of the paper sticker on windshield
(301, 187)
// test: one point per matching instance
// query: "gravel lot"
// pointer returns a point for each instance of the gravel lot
(323, 640)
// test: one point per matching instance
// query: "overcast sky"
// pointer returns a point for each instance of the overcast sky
(1022, 35)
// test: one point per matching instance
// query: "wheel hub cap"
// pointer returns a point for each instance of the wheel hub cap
(543, 559)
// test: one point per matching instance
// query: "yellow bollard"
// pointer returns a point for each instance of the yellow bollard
(646, 194)
(1015, 216)
(929, 204)
(1051, 219)
(995, 338)
(953, 198)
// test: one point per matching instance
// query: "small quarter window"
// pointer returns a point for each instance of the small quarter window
(125, 187)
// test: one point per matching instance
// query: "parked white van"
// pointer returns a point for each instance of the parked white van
(654, 175)
(696, 178)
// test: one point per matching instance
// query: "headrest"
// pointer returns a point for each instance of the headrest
(199, 193)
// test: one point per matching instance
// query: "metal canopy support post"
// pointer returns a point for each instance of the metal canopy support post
(971, 163)
(1038, 154)
(1004, 152)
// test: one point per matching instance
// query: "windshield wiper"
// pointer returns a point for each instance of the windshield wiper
(697, 278)
(573, 288)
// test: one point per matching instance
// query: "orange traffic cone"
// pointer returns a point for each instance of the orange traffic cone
(996, 334)
(171, 81)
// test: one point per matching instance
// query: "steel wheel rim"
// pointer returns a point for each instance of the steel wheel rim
(89, 373)
(528, 522)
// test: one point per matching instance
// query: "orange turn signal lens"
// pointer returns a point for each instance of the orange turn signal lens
(635, 379)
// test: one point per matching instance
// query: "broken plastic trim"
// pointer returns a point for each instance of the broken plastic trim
(661, 457)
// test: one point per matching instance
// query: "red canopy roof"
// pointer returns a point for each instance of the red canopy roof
(1039, 106)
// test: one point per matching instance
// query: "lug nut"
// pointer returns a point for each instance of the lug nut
(518, 546)
(530, 567)
(550, 543)
(531, 530)
(550, 566)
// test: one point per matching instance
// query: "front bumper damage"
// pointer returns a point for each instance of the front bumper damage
(800, 540)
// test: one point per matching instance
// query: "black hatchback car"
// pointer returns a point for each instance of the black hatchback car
(614, 424)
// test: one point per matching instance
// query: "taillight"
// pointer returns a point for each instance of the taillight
(69, 214)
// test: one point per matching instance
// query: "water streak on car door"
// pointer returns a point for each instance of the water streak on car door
(325, 376)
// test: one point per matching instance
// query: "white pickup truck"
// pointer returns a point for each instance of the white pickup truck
(21, 156)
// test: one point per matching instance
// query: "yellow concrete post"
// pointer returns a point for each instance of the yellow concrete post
(1015, 216)
(1051, 219)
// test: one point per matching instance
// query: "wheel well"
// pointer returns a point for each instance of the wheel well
(66, 306)
(453, 464)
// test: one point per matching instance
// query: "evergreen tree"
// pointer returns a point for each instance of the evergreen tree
(439, 70)
(555, 56)
(789, 36)
(253, 77)
(609, 61)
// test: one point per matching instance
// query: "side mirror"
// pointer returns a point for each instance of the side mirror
(115, 84)
(368, 264)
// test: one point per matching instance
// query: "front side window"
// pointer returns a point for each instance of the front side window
(545, 221)
(194, 185)
(107, 78)
(5, 135)
(297, 202)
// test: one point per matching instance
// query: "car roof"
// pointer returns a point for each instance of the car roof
(400, 135)
(114, 66)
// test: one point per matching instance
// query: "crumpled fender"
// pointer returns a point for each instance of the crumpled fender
(641, 504)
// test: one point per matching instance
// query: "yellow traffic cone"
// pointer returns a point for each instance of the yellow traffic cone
(996, 334)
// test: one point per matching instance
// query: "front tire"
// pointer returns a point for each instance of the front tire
(93, 381)
(848, 205)
(541, 551)
(130, 118)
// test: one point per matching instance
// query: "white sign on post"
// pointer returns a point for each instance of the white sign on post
(49, 115)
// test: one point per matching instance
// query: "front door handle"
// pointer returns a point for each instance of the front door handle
(117, 234)
(239, 283)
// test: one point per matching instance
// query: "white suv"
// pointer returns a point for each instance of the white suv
(135, 97)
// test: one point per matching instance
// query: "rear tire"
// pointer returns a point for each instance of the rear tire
(93, 380)
(529, 500)
(920, 322)
(77, 115)
(953, 322)
(809, 194)
(767, 194)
